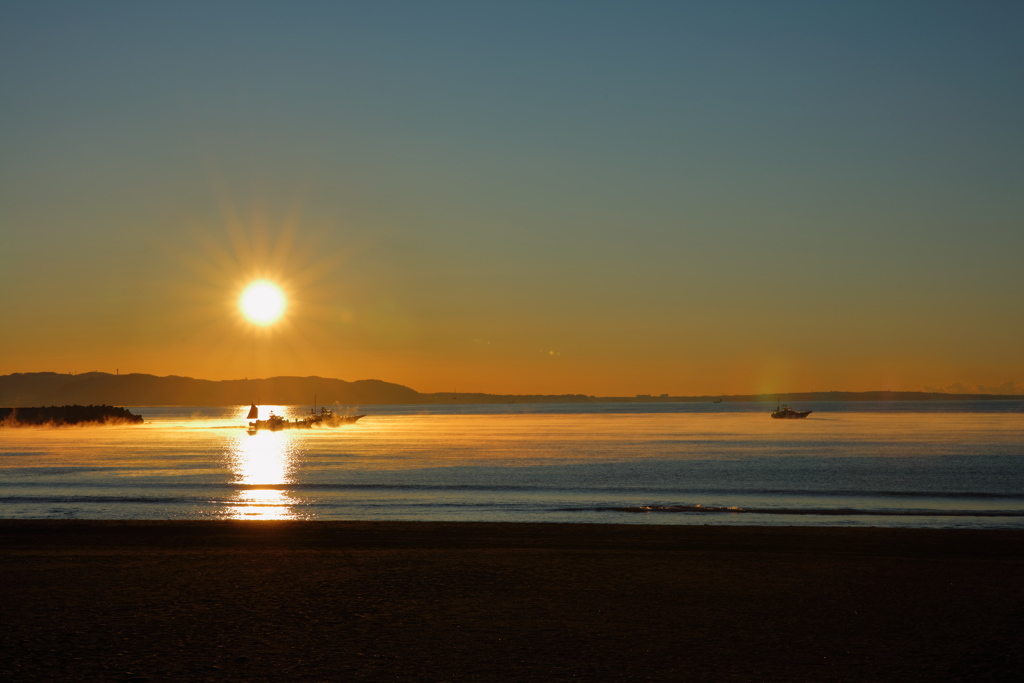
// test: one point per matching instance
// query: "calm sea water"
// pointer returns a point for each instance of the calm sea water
(950, 464)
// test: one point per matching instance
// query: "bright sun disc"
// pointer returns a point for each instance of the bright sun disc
(262, 302)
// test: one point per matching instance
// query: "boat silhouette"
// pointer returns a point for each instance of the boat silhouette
(275, 423)
(784, 412)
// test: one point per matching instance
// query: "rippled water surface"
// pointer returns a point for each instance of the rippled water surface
(923, 465)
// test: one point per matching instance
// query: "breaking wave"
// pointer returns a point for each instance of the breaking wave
(697, 508)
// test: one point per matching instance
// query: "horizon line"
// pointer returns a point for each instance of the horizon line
(646, 397)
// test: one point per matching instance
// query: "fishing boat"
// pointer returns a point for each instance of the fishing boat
(275, 423)
(784, 412)
(326, 418)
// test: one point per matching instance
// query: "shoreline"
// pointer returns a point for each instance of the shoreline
(417, 534)
(431, 601)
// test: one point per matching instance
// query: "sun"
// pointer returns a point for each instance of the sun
(262, 302)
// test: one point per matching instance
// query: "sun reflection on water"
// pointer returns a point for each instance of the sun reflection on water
(262, 462)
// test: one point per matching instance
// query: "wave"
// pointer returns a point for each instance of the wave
(95, 499)
(653, 491)
(694, 509)
(697, 508)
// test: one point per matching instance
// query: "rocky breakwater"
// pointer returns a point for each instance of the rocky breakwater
(59, 416)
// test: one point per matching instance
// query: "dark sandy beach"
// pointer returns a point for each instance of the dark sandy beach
(363, 601)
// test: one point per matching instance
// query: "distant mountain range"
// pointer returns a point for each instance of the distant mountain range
(96, 388)
(50, 388)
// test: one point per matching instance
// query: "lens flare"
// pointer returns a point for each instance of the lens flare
(262, 302)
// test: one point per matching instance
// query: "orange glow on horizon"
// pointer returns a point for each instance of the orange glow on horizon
(369, 320)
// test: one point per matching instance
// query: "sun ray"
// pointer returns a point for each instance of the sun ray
(245, 246)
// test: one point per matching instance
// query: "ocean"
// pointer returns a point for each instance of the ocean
(929, 464)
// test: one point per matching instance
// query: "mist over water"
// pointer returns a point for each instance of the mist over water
(933, 464)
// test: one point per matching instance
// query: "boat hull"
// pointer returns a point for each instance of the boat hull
(790, 415)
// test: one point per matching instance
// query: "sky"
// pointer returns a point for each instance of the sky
(607, 198)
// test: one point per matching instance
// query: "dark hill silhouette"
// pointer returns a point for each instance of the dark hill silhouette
(67, 415)
(49, 388)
